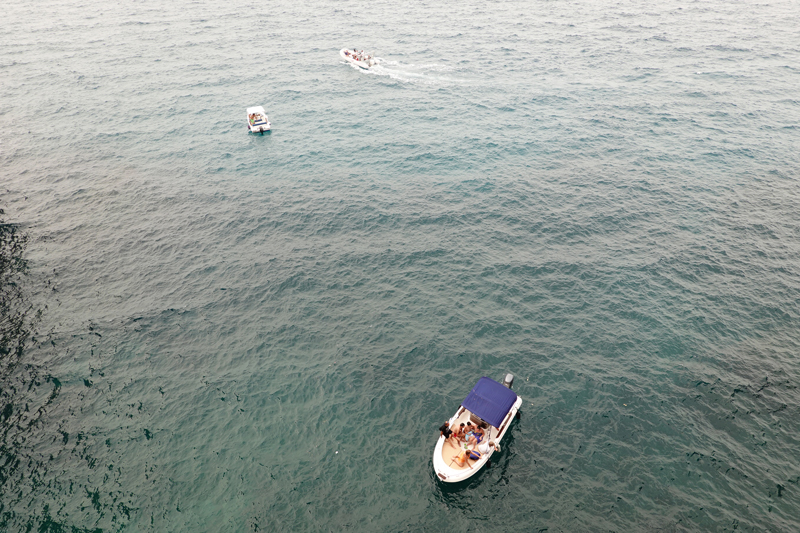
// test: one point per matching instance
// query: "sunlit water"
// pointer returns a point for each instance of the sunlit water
(246, 333)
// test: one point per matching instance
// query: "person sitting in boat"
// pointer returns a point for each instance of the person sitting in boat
(463, 458)
(252, 118)
(460, 432)
(484, 447)
(476, 453)
(475, 435)
(468, 429)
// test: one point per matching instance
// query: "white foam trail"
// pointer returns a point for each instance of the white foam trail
(411, 73)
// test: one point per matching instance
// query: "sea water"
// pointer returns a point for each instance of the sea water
(221, 331)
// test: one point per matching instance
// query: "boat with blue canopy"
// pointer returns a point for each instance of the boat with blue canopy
(489, 405)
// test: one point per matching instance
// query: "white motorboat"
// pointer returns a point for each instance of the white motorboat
(489, 404)
(257, 120)
(359, 58)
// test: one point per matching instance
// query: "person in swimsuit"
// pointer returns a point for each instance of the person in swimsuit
(483, 448)
(461, 432)
(468, 430)
(475, 436)
(463, 458)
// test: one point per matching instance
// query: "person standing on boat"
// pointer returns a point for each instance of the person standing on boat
(447, 433)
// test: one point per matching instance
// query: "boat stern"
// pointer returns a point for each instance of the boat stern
(261, 127)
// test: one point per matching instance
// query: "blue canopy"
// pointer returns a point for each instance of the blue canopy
(490, 400)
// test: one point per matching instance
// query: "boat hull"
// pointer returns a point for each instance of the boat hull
(259, 128)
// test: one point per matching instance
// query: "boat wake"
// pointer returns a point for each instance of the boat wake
(427, 74)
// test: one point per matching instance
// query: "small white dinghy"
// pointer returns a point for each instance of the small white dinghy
(489, 403)
(257, 120)
(359, 58)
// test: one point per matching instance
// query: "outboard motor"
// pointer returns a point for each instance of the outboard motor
(509, 380)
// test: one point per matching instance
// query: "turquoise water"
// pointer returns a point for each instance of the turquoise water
(242, 333)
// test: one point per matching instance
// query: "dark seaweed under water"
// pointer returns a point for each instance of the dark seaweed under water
(204, 330)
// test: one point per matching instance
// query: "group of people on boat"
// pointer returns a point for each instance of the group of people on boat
(255, 117)
(471, 441)
(358, 55)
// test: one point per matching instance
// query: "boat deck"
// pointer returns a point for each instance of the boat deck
(449, 450)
